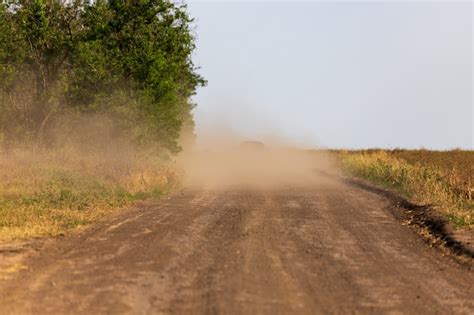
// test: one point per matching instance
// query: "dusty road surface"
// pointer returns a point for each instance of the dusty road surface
(322, 247)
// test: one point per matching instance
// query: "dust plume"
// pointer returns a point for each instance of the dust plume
(228, 160)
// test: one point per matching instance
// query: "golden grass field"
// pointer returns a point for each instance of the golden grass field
(442, 179)
(46, 195)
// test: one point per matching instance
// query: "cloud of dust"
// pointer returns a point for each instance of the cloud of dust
(92, 145)
(224, 159)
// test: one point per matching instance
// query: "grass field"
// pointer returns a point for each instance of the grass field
(443, 179)
(49, 195)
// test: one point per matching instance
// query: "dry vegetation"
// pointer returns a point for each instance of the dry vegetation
(91, 98)
(48, 194)
(443, 179)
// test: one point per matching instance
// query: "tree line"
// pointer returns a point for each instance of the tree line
(128, 62)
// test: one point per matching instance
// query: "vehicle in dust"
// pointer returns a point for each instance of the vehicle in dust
(252, 145)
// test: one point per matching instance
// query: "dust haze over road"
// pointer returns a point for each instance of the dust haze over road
(244, 164)
(253, 232)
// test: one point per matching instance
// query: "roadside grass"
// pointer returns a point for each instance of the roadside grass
(444, 187)
(48, 195)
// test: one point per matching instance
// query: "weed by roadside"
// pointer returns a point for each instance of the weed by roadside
(48, 195)
(422, 183)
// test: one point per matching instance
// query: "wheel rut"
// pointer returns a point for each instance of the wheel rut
(322, 247)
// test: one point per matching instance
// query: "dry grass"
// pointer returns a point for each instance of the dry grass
(49, 194)
(440, 179)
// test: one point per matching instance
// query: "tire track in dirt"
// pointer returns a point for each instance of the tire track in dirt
(246, 274)
(106, 268)
(317, 247)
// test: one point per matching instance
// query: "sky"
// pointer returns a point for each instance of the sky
(337, 74)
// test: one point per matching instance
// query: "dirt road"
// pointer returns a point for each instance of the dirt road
(324, 247)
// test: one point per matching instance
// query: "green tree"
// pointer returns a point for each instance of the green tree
(129, 60)
(36, 42)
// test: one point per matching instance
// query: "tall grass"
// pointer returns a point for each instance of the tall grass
(423, 184)
(50, 194)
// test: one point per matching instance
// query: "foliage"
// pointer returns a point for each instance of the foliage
(129, 61)
(423, 183)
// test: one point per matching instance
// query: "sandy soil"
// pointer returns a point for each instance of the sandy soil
(321, 247)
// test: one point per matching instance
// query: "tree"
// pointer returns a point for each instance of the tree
(129, 60)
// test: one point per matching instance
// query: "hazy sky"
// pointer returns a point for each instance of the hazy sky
(339, 74)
